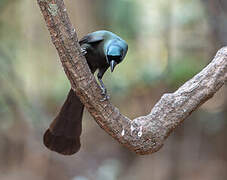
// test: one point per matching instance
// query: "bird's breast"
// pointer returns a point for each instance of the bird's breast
(95, 59)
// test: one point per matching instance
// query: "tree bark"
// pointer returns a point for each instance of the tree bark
(145, 134)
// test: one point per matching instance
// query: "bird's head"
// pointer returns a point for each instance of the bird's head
(115, 54)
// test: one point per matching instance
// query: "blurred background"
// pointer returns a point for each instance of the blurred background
(169, 42)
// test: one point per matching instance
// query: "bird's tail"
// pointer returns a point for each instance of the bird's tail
(63, 135)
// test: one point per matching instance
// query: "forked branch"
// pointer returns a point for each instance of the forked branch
(144, 134)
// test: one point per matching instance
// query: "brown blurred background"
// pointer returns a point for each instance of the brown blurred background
(169, 41)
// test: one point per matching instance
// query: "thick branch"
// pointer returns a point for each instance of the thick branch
(144, 134)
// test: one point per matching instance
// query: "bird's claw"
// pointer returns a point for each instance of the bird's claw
(104, 93)
(83, 51)
(106, 97)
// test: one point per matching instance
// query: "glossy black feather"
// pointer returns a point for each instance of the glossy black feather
(63, 135)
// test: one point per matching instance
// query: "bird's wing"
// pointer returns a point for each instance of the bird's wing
(91, 38)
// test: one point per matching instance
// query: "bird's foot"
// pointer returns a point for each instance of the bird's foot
(106, 97)
(83, 51)
(104, 93)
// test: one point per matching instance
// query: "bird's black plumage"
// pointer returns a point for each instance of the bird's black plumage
(102, 49)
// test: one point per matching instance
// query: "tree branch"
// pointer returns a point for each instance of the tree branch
(144, 134)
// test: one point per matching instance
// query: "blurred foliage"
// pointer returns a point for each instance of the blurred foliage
(181, 71)
(122, 18)
(3, 3)
(8, 48)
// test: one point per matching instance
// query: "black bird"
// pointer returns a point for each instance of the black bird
(102, 49)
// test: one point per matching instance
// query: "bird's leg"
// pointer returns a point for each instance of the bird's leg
(104, 91)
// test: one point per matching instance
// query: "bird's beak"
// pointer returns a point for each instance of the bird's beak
(112, 65)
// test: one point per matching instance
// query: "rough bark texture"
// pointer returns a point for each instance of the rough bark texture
(144, 134)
